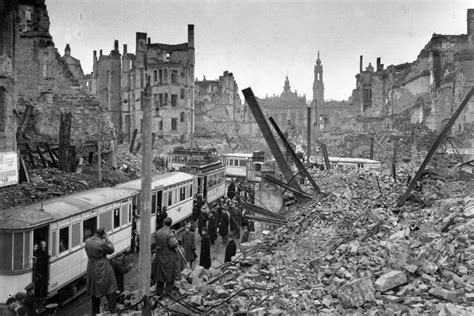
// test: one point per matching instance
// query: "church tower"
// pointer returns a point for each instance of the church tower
(318, 86)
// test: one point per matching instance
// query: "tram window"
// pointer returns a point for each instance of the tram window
(89, 227)
(130, 213)
(63, 239)
(182, 193)
(116, 217)
(105, 220)
(170, 198)
(27, 257)
(18, 251)
(75, 234)
(124, 214)
(54, 240)
(6, 251)
(258, 167)
(242, 163)
(191, 190)
(153, 203)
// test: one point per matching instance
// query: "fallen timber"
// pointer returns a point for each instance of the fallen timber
(286, 186)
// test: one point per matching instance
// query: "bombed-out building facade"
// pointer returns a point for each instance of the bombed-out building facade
(426, 91)
(218, 106)
(162, 74)
(37, 85)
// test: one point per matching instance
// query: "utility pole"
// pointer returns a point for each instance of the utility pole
(308, 134)
(144, 260)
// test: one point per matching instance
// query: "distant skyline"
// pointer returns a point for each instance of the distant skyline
(261, 42)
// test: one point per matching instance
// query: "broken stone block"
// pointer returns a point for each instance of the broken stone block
(196, 300)
(390, 280)
(444, 294)
(357, 292)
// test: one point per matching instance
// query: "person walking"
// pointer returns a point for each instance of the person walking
(231, 190)
(224, 226)
(230, 249)
(189, 244)
(121, 268)
(205, 255)
(203, 217)
(165, 264)
(100, 278)
(245, 235)
(212, 226)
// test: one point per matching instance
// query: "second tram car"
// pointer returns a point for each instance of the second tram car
(210, 178)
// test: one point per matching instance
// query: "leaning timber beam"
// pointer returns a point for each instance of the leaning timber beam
(266, 219)
(435, 146)
(261, 210)
(272, 143)
(297, 160)
(286, 186)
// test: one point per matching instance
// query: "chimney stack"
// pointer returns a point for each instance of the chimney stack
(360, 63)
(100, 52)
(116, 45)
(124, 49)
(191, 35)
(67, 50)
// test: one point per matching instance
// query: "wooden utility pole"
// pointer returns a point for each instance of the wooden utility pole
(99, 147)
(144, 261)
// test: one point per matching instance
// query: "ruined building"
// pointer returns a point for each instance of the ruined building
(8, 33)
(218, 106)
(120, 81)
(36, 84)
(426, 91)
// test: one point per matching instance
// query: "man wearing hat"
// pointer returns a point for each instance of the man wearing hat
(189, 244)
(100, 274)
(165, 263)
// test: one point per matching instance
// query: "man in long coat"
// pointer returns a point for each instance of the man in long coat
(205, 255)
(165, 264)
(100, 274)
(189, 245)
(212, 226)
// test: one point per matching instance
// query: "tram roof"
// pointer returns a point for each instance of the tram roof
(238, 155)
(28, 216)
(158, 180)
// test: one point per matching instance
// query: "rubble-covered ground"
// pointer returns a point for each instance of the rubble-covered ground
(46, 183)
(353, 251)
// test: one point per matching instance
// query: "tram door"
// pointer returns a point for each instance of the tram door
(41, 255)
(204, 188)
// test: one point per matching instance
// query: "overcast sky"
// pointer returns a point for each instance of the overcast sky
(261, 42)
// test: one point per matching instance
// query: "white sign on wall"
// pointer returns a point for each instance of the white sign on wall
(8, 168)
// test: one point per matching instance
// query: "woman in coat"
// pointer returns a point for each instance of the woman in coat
(224, 226)
(189, 245)
(205, 255)
(212, 226)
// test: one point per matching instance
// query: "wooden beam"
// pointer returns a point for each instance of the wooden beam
(435, 146)
(286, 186)
(293, 155)
(268, 135)
(132, 141)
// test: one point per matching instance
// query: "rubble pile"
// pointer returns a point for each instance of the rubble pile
(46, 183)
(131, 163)
(349, 251)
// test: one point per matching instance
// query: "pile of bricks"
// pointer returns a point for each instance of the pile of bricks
(351, 251)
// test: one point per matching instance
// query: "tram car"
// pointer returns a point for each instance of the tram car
(244, 166)
(210, 178)
(64, 223)
(348, 163)
(180, 156)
